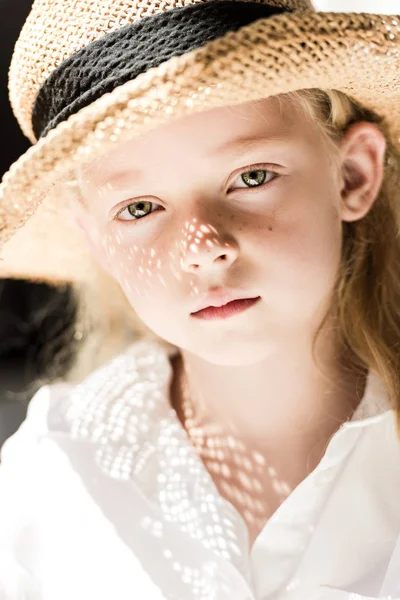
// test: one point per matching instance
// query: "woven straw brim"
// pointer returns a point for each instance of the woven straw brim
(358, 54)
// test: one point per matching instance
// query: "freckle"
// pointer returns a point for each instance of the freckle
(269, 228)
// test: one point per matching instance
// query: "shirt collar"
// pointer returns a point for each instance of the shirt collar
(122, 410)
(374, 403)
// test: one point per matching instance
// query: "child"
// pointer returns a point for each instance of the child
(229, 173)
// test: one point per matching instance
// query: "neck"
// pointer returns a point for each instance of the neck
(260, 429)
(282, 399)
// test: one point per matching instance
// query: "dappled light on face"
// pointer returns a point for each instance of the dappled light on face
(186, 260)
(136, 267)
(202, 245)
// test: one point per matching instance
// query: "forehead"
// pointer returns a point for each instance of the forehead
(220, 132)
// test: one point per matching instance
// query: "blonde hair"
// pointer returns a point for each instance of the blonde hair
(366, 292)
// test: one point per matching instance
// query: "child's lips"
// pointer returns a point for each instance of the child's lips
(227, 310)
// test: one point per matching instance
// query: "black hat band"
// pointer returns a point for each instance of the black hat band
(122, 55)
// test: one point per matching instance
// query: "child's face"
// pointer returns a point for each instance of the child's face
(282, 239)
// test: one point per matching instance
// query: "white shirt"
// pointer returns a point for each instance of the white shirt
(103, 497)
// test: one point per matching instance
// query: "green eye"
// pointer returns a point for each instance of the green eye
(139, 209)
(254, 178)
(136, 211)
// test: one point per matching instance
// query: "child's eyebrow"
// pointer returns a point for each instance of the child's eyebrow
(121, 176)
(247, 143)
(118, 176)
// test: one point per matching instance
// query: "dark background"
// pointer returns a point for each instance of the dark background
(30, 314)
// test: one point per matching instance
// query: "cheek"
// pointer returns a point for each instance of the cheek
(141, 269)
(301, 250)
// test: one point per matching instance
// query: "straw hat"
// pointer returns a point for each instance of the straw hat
(86, 75)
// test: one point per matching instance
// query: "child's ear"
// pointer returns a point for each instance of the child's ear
(363, 150)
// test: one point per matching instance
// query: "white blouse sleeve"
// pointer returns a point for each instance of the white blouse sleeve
(391, 584)
(20, 483)
(15, 582)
